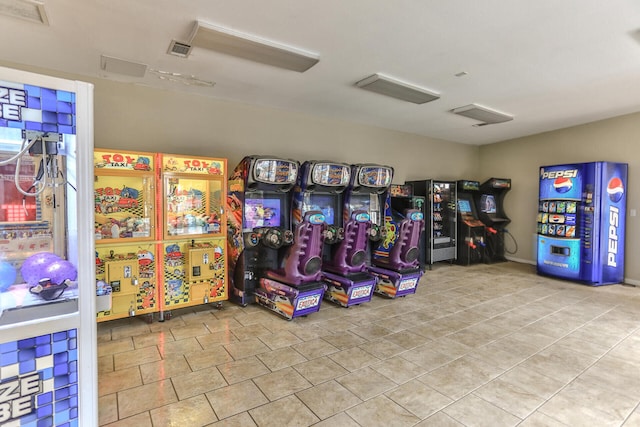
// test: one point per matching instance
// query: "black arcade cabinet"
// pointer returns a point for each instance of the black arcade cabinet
(471, 231)
(490, 203)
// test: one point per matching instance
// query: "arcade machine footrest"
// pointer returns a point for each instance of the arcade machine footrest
(393, 284)
(348, 291)
(289, 301)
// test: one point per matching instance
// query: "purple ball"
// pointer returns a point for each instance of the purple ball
(33, 268)
(59, 271)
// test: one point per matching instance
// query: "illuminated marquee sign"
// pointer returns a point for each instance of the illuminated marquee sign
(17, 396)
(11, 102)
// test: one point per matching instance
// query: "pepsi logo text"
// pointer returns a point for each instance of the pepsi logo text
(570, 173)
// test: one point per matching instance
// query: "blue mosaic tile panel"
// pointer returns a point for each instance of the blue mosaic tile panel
(44, 369)
(34, 108)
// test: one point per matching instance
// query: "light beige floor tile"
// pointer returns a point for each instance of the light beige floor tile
(281, 339)
(633, 420)
(398, 370)
(198, 382)
(366, 383)
(418, 398)
(407, 340)
(107, 409)
(344, 340)
(353, 358)
(222, 325)
(314, 348)
(141, 399)
(191, 412)
(135, 357)
(382, 348)
(583, 403)
(427, 358)
(439, 419)
(189, 331)
(382, 411)
(338, 420)
(173, 365)
(243, 369)
(538, 419)
(615, 374)
(139, 420)
(114, 347)
(512, 398)
(319, 370)
(207, 358)
(246, 348)
(371, 332)
(236, 398)
(281, 358)
(473, 411)
(152, 338)
(532, 381)
(183, 346)
(112, 382)
(250, 331)
(281, 383)
(559, 362)
(460, 377)
(133, 329)
(286, 412)
(327, 399)
(240, 420)
(105, 364)
(216, 338)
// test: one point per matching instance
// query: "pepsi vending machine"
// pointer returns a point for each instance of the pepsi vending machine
(581, 222)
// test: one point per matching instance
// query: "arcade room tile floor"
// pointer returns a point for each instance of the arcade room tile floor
(486, 345)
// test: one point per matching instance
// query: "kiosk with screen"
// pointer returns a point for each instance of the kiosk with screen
(490, 203)
(471, 231)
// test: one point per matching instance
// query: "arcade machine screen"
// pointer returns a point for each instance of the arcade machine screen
(369, 203)
(265, 211)
(488, 204)
(326, 203)
(465, 209)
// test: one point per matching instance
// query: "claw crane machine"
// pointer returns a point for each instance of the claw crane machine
(48, 339)
(125, 232)
(191, 192)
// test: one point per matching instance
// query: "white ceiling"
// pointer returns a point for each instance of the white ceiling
(549, 63)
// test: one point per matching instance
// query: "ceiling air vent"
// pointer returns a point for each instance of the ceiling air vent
(389, 86)
(179, 49)
(482, 114)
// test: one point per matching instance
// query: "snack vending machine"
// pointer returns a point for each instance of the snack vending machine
(441, 235)
(581, 222)
(191, 196)
(48, 350)
(125, 231)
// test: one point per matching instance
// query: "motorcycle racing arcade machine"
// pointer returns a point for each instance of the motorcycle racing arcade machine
(346, 267)
(396, 259)
(270, 263)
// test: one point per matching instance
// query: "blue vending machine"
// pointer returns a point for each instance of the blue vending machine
(581, 222)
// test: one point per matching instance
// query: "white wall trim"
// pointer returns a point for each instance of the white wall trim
(520, 260)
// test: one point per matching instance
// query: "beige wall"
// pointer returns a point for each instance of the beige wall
(128, 116)
(519, 159)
